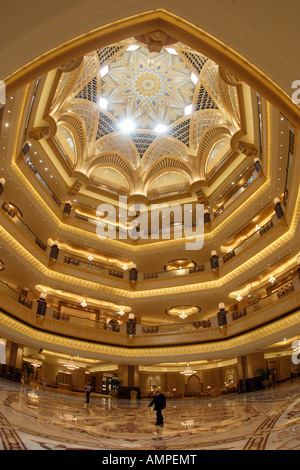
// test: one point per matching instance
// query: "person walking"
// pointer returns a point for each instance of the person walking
(44, 383)
(88, 389)
(159, 402)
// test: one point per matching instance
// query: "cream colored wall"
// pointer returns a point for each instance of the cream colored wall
(145, 379)
(50, 370)
(283, 366)
(255, 22)
(255, 361)
(169, 380)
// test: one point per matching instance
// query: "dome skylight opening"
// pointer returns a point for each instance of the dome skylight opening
(161, 128)
(171, 50)
(188, 109)
(127, 126)
(103, 103)
(132, 47)
(104, 71)
(194, 78)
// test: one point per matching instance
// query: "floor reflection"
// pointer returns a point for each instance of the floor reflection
(34, 419)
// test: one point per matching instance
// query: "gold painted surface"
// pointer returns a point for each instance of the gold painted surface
(175, 27)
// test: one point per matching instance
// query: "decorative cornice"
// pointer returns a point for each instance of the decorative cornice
(160, 19)
(131, 353)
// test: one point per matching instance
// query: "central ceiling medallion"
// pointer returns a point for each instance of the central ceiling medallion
(148, 84)
(145, 87)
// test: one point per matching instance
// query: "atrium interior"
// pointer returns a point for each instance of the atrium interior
(149, 221)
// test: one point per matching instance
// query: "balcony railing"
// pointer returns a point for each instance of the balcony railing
(99, 268)
(92, 266)
(13, 294)
(25, 228)
(236, 194)
(289, 288)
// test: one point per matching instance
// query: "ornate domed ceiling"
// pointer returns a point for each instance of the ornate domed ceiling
(148, 90)
(124, 108)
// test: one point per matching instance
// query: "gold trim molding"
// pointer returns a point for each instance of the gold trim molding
(173, 26)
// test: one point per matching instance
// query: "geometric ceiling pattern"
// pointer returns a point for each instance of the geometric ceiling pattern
(148, 89)
(171, 98)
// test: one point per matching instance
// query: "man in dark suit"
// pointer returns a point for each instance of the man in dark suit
(88, 389)
(159, 402)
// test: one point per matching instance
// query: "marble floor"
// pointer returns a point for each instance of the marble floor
(32, 419)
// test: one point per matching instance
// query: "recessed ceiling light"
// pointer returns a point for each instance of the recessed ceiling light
(133, 47)
(104, 71)
(161, 128)
(188, 109)
(194, 78)
(103, 103)
(127, 126)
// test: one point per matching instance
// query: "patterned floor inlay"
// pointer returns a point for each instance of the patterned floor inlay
(36, 420)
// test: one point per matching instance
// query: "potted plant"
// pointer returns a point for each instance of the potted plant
(28, 370)
(114, 387)
(265, 374)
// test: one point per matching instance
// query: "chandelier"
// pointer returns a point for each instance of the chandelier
(121, 312)
(35, 364)
(71, 365)
(272, 279)
(188, 371)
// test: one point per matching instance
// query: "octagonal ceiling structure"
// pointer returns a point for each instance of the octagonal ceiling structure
(146, 123)
(213, 132)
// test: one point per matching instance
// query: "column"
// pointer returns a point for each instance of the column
(14, 354)
(129, 375)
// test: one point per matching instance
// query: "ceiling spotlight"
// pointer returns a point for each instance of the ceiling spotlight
(127, 126)
(91, 257)
(194, 78)
(239, 298)
(188, 109)
(104, 71)
(83, 303)
(103, 103)
(161, 128)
